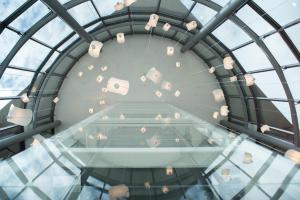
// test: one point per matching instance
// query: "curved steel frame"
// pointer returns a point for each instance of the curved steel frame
(105, 26)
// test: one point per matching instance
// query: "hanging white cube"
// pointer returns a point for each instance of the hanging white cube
(56, 100)
(91, 110)
(248, 158)
(228, 63)
(104, 68)
(165, 189)
(250, 80)
(147, 185)
(191, 25)
(233, 79)
(218, 95)
(154, 75)
(90, 67)
(293, 155)
(166, 26)
(143, 78)
(158, 93)
(153, 19)
(95, 48)
(118, 86)
(169, 171)
(154, 141)
(158, 117)
(129, 2)
(178, 64)
(215, 115)
(177, 93)
(102, 102)
(120, 38)
(166, 85)
(119, 6)
(264, 128)
(99, 78)
(211, 70)
(143, 130)
(177, 115)
(80, 74)
(224, 110)
(170, 51)
(24, 98)
(118, 192)
(122, 116)
(19, 116)
(147, 27)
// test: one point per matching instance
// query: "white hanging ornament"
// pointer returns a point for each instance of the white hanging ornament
(143, 78)
(154, 75)
(177, 93)
(178, 64)
(218, 95)
(99, 78)
(56, 100)
(191, 25)
(119, 6)
(215, 115)
(158, 93)
(166, 85)
(177, 115)
(122, 116)
(158, 117)
(24, 98)
(170, 51)
(247, 159)
(143, 130)
(225, 173)
(169, 171)
(102, 102)
(293, 155)
(90, 67)
(264, 128)
(250, 80)
(95, 48)
(166, 27)
(104, 68)
(147, 27)
(224, 110)
(80, 74)
(102, 136)
(91, 110)
(211, 70)
(165, 189)
(118, 86)
(228, 63)
(120, 38)
(153, 19)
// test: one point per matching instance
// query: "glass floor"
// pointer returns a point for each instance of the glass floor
(148, 151)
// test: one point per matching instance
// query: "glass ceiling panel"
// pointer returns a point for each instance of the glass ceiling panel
(53, 32)
(30, 16)
(203, 13)
(283, 11)
(292, 76)
(221, 2)
(280, 50)
(252, 57)
(63, 1)
(230, 34)
(7, 41)
(105, 7)
(50, 61)
(254, 20)
(9, 6)
(84, 13)
(68, 42)
(13, 82)
(293, 32)
(90, 28)
(27, 56)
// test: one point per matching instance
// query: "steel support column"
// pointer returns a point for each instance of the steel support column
(224, 13)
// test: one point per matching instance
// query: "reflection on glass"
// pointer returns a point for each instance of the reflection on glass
(203, 13)
(9, 6)
(84, 13)
(7, 41)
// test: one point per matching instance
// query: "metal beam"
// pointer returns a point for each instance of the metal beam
(62, 12)
(221, 16)
(27, 134)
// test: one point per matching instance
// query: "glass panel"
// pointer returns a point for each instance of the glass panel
(9, 6)
(13, 82)
(68, 42)
(254, 20)
(7, 41)
(252, 57)
(50, 61)
(27, 56)
(221, 2)
(283, 11)
(203, 13)
(53, 32)
(230, 34)
(284, 108)
(298, 112)
(105, 7)
(292, 76)
(280, 50)
(90, 28)
(270, 84)
(293, 32)
(30, 16)
(84, 13)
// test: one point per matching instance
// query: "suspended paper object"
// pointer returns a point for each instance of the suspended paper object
(99, 79)
(178, 64)
(90, 67)
(177, 115)
(122, 116)
(225, 173)
(129, 2)
(80, 74)
(153, 19)
(158, 93)
(147, 27)
(19, 116)
(154, 75)
(218, 95)
(104, 68)
(105, 90)
(118, 192)
(169, 171)
(233, 79)
(211, 141)
(33, 90)
(250, 80)
(118, 86)
(165, 189)
(177, 93)
(95, 48)
(102, 102)
(247, 158)
(177, 140)
(166, 85)
(228, 63)
(24, 98)
(191, 25)
(143, 130)
(154, 141)
(224, 110)
(120, 38)
(215, 115)
(119, 6)
(158, 117)
(56, 100)
(264, 128)
(91, 110)
(211, 70)
(143, 78)
(170, 51)
(102, 136)
(293, 155)
(147, 185)
(166, 27)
